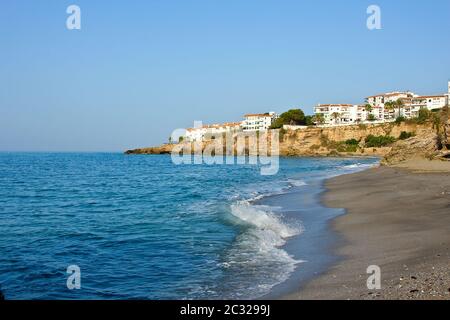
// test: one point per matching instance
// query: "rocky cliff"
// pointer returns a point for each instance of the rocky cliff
(331, 141)
(409, 139)
(164, 149)
(432, 142)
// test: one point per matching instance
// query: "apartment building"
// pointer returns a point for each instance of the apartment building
(252, 122)
(207, 132)
(341, 114)
(258, 122)
(334, 114)
(381, 99)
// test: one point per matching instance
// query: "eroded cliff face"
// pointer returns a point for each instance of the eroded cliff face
(326, 141)
(432, 142)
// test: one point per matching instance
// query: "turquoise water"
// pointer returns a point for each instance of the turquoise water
(140, 227)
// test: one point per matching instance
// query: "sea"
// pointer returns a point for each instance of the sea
(142, 227)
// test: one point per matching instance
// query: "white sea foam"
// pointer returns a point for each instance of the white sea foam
(297, 183)
(259, 247)
(261, 217)
(360, 166)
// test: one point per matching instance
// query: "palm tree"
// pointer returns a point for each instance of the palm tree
(335, 116)
(399, 105)
(368, 108)
(319, 118)
(389, 106)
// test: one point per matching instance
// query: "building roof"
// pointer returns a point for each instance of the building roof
(426, 97)
(232, 124)
(390, 94)
(265, 115)
(334, 105)
(216, 126)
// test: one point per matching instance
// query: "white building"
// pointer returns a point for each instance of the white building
(195, 134)
(341, 114)
(379, 102)
(430, 102)
(381, 99)
(448, 93)
(208, 132)
(334, 114)
(258, 122)
(412, 106)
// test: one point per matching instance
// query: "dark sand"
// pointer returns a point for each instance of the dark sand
(397, 219)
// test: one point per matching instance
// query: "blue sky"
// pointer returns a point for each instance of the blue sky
(139, 69)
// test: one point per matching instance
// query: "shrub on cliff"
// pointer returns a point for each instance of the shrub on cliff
(350, 145)
(424, 115)
(343, 147)
(406, 135)
(281, 134)
(400, 119)
(352, 142)
(378, 141)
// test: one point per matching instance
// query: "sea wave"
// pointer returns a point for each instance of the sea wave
(259, 246)
(261, 217)
(296, 183)
(257, 192)
(360, 165)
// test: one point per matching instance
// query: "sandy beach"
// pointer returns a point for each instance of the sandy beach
(398, 218)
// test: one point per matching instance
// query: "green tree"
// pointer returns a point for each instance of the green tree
(309, 120)
(399, 104)
(293, 117)
(389, 105)
(424, 115)
(319, 118)
(368, 108)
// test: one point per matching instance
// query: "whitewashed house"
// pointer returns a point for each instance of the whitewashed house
(379, 102)
(208, 132)
(339, 114)
(259, 121)
(195, 134)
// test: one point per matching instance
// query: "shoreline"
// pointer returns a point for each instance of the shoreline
(313, 247)
(397, 218)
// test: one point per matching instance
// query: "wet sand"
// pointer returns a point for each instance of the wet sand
(398, 219)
